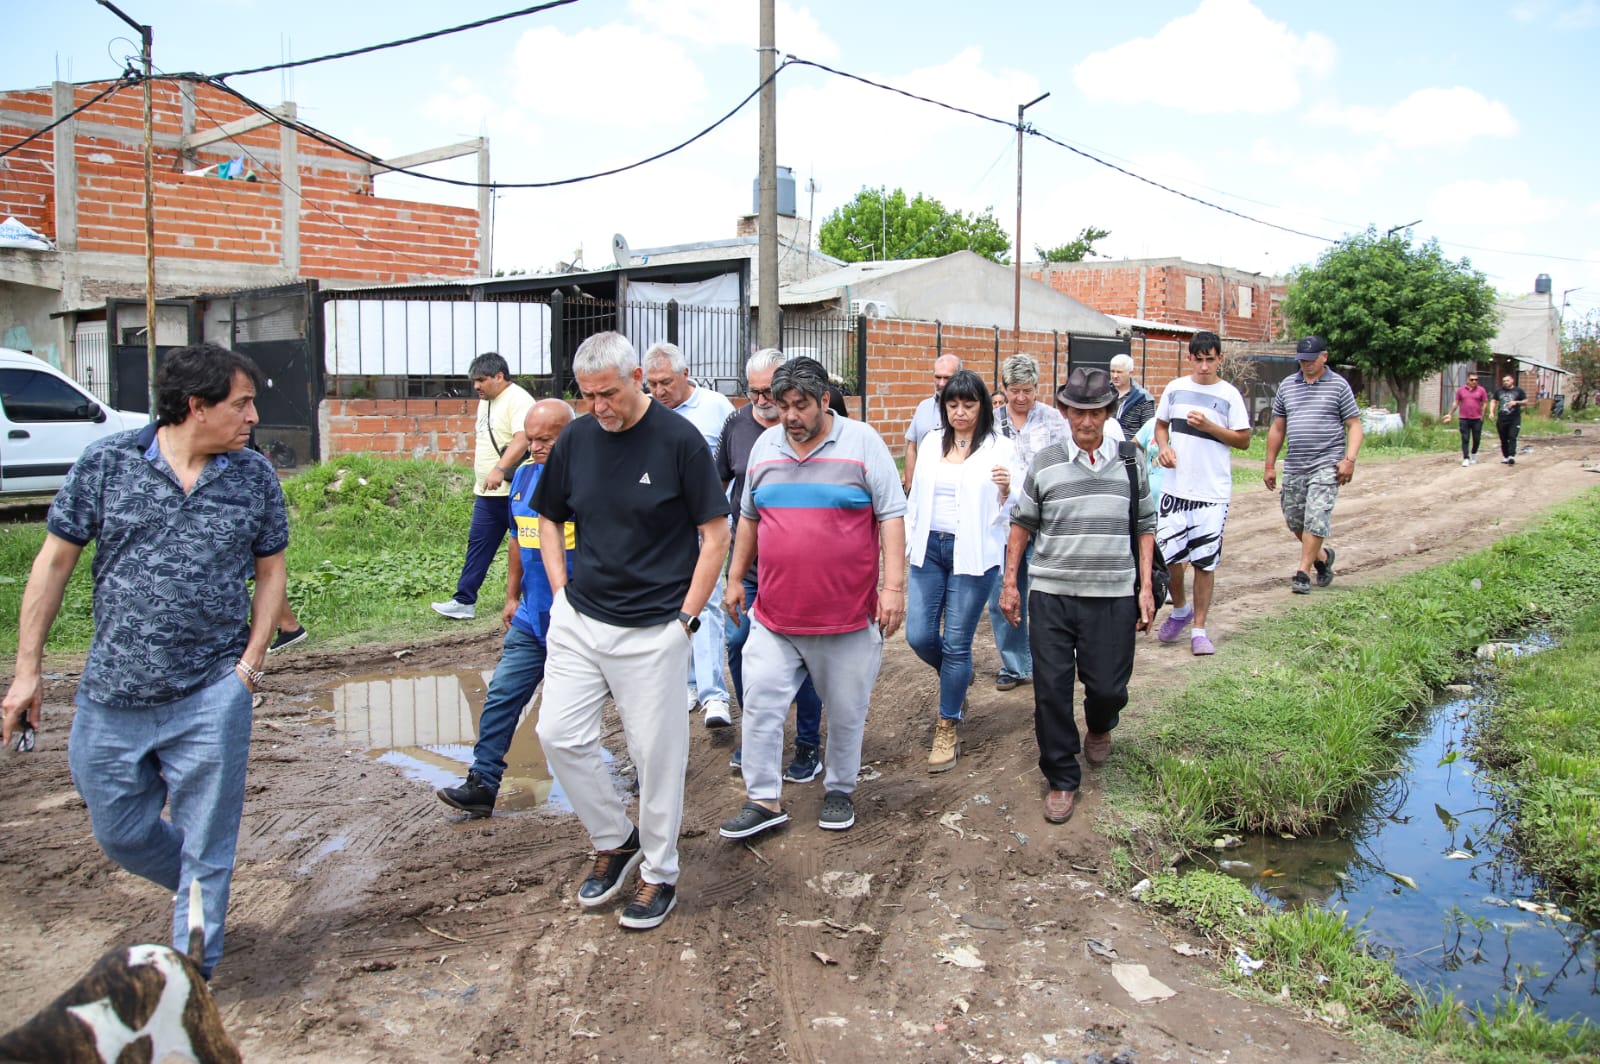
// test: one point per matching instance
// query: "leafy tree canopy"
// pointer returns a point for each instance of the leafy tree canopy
(879, 224)
(1074, 250)
(1580, 355)
(1397, 310)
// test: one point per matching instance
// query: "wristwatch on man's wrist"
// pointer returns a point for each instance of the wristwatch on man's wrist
(690, 622)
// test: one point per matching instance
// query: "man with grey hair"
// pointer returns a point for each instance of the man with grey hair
(1135, 406)
(652, 534)
(1031, 426)
(733, 459)
(823, 480)
(666, 374)
(926, 417)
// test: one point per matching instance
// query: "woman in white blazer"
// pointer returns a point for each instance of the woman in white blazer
(957, 520)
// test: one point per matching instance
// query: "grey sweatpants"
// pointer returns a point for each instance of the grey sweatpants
(644, 670)
(843, 667)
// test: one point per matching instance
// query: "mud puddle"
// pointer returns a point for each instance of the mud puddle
(425, 724)
(1427, 868)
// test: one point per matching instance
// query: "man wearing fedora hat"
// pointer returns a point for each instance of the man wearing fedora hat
(1089, 593)
(1318, 412)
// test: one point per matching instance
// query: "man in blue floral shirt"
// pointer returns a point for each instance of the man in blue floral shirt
(182, 516)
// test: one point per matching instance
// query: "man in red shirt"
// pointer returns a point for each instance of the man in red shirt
(1470, 401)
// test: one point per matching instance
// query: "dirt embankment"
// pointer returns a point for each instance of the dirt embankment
(369, 923)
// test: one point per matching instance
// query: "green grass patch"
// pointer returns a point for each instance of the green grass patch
(1543, 738)
(371, 542)
(1297, 721)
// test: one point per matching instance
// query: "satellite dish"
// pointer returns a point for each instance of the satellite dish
(619, 250)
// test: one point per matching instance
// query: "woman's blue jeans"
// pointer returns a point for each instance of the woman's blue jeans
(942, 611)
(1016, 657)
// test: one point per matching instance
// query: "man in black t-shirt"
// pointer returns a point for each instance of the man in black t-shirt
(652, 534)
(1506, 409)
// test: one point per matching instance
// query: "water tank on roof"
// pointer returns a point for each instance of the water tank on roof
(1541, 284)
(785, 192)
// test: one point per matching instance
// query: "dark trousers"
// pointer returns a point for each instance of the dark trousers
(1074, 637)
(490, 516)
(1471, 429)
(1509, 430)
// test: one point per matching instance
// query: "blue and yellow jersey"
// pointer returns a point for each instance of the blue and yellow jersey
(533, 616)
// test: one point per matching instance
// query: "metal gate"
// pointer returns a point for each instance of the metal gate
(276, 328)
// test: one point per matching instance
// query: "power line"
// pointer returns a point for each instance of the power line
(491, 20)
(127, 80)
(368, 157)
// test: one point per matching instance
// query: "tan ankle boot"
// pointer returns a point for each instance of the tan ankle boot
(945, 746)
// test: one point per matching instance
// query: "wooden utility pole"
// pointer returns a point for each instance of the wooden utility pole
(768, 333)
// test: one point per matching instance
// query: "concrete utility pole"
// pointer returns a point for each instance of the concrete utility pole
(145, 38)
(768, 333)
(1016, 294)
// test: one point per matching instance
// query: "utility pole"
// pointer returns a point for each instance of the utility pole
(768, 333)
(145, 38)
(1016, 294)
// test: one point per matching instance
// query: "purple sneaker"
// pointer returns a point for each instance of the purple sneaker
(1173, 627)
(1201, 645)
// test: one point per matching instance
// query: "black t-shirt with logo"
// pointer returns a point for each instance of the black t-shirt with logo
(1503, 396)
(638, 497)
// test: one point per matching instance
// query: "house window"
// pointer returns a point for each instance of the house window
(1246, 294)
(1194, 293)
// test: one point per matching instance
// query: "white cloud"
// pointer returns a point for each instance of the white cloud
(1584, 16)
(466, 110)
(1347, 173)
(1225, 58)
(1428, 118)
(737, 22)
(1509, 202)
(607, 75)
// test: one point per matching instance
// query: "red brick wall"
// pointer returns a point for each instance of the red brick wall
(1114, 289)
(345, 231)
(442, 430)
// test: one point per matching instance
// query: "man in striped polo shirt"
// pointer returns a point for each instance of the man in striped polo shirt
(822, 496)
(1318, 411)
(1075, 507)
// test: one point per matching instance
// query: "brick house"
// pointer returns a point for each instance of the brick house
(1234, 304)
(307, 212)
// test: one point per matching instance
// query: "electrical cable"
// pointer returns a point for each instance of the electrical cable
(128, 79)
(491, 20)
(368, 157)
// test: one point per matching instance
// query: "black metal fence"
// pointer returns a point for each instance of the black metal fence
(715, 341)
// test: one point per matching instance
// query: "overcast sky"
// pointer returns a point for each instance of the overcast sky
(1472, 119)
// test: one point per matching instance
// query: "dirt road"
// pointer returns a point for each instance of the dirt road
(369, 923)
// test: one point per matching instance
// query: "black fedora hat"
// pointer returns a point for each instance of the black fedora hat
(1088, 388)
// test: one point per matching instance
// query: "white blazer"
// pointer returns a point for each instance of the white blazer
(983, 519)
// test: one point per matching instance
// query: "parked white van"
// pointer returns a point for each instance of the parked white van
(46, 420)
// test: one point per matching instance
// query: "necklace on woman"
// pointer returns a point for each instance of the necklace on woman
(963, 444)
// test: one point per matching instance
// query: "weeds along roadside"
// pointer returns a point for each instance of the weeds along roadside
(1540, 737)
(1300, 720)
(371, 542)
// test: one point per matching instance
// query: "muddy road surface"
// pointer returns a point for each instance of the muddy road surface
(371, 923)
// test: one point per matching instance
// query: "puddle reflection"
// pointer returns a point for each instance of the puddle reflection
(425, 725)
(1472, 920)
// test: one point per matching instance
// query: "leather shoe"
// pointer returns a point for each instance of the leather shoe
(1058, 806)
(1097, 747)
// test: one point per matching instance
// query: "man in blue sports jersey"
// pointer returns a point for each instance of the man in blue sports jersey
(526, 616)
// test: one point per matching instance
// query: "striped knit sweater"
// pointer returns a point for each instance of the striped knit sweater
(1078, 517)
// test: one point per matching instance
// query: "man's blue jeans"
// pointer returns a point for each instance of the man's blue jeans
(1016, 657)
(491, 514)
(942, 611)
(510, 690)
(706, 677)
(190, 755)
(807, 705)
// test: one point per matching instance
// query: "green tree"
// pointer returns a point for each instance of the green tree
(1397, 310)
(1580, 356)
(879, 224)
(1074, 250)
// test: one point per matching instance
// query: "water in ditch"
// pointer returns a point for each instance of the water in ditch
(425, 725)
(1476, 923)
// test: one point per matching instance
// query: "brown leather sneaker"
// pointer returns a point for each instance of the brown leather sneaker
(1058, 806)
(1097, 747)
